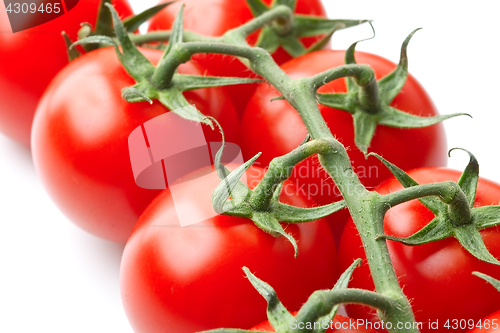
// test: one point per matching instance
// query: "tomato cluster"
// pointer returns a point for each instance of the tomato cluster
(188, 278)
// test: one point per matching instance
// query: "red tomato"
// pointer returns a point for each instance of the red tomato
(275, 128)
(339, 324)
(490, 324)
(188, 279)
(80, 140)
(225, 15)
(31, 58)
(436, 277)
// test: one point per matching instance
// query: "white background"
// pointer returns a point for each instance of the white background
(56, 278)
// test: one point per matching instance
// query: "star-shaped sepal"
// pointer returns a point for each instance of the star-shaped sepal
(288, 34)
(317, 310)
(104, 27)
(369, 110)
(444, 224)
(142, 70)
(233, 197)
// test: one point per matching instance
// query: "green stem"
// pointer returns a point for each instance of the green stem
(449, 192)
(183, 52)
(164, 36)
(280, 169)
(366, 208)
(364, 77)
(321, 302)
(282, 13)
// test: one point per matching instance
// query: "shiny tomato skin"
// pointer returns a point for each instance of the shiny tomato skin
(343, 324)
(225, 15)
(436, 277)
(80, 140)
(275, 128)
(189, 279)
(31, 58)
(490, 324)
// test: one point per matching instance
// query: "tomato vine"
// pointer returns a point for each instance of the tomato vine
(450, 201)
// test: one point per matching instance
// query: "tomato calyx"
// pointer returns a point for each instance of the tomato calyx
(320, 308)
(143, 71)
(104, 27)
(455, 214)
(370, 103)
(287, 32)
(494, 282)
(262, 204)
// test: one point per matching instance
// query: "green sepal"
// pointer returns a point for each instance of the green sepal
(293, 214)
(134, 95)
(323, 311)
(321, 43)
(471, 240)
(240, 210)
(380, 113)
(134, 22)
(72, 52)
(486, 216)
(346, 102)
(257, 7)
(104, 24)
(270, 224)
(364, 129)
(392, 117)
(350, 59)
(177, 29)
(289, 3)
(268, 40)
(391, 84)
(441, 226)
(277, 314)
(174, 100)
(280, 318)
(293, 46)
(135, 63)
(433, 204)
(307, 25)
(231, 188)
(435, 230)
(191, 82)
(468, 236)
(142, 70)
(302, 26)
(341, 284)
(228, 186)
(101, 40)
(494, 282)
(470, 177)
